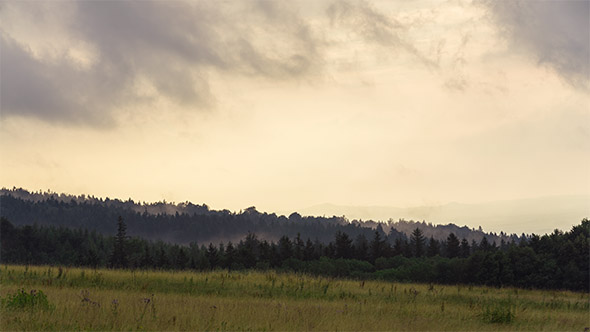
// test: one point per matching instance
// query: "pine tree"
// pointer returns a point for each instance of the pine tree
(119, 256)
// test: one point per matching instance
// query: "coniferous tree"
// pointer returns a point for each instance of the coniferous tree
(484, 244)
(452, 246)
(248, 251)
(465, 250)
(212, 256)
(162, 261)
(398, 247)
(377, 246)
(119, 257)
(92, 259)
(330, 250)
(309, 250)
(285, 248)
(181, 259)
(146, 258)
(230, 255)
(265, 252)
(343, 245)
(361, 248)
(433, 248)
(417, 241)
(298, 247)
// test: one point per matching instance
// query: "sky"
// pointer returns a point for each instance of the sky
(286, 105)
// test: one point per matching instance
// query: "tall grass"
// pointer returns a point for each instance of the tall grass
(86, 299)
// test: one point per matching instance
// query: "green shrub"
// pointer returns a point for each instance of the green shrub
(498, 314)
(33, 300)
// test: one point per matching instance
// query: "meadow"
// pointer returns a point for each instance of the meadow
(88, 299)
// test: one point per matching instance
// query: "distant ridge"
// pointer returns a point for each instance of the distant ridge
(538, 215)
(191, 223)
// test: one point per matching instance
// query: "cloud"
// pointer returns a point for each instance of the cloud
(170, 47)
(554, 33)
(375, 27)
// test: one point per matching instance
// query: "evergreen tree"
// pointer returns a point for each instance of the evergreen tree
(119, 257)
(433, 248)
(343, 245)
(230, 255)
(162, 261)
(299, 246)
(484, 244)
(248, 251)
(212, 256)
(265, 253)
(181, 259)
(361, 248)
(452, 246)
(465, 250)
(398, 247)
(377, 245)
(309, 250)
(146, 259)
(285, 248)
(417, 241)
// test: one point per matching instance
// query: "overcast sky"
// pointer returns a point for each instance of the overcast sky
(284, 105)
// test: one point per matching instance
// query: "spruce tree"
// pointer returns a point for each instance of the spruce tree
(343, 245)
(377, 246)
(417, 239)
(433, 249)
(452, 246)
(119, 256)
(212, 256)
(465, 250)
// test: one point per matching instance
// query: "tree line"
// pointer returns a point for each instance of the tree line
(559, 260)
(186, 222)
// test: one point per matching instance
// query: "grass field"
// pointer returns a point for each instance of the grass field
(86, 299)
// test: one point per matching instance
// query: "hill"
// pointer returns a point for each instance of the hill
(538, 215)
(186, 222)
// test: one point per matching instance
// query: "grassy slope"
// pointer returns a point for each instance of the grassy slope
(270, 301)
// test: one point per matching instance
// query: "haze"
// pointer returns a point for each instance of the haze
(286, 105)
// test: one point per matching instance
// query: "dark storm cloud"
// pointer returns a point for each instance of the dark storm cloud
(555, 33)
(172, 45)
(48, 91)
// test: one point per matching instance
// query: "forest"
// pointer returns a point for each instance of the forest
(184, 223)
(559, 260)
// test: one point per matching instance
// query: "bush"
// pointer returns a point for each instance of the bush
(498, 314)
(35, 299)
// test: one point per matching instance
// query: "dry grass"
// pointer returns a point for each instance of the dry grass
(86, 299)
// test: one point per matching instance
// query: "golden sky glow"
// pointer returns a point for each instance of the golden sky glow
(284, 106)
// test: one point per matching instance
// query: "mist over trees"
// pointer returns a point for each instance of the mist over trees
(184, 223)
(46, 228)
(557, 261)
